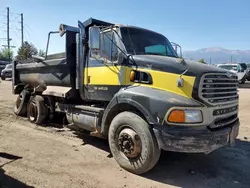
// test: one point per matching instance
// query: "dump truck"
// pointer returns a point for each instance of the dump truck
(128, 85)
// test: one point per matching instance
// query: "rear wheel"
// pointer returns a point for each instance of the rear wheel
(20, 107)
(3, 78)
(37, 111)
(132, 143)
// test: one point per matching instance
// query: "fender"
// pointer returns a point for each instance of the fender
(151, 103)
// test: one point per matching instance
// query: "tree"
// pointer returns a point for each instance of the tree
(41, 53)
(5, 53)
(26, 51)
(202, 61)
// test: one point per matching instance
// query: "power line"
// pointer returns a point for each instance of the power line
(3, 10)
(27, 32)
(16, 18)
(16, 33)
(13, 13)
(15, 27)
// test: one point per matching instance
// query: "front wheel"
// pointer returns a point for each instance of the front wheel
(132, 143)
(3, 78)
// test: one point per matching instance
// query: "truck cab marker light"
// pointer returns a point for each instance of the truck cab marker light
(140, 77)
(132, 76)
(177, 116)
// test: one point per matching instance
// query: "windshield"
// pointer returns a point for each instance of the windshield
(140, 41)
(229, 67)
(8, 66)
(3, 63)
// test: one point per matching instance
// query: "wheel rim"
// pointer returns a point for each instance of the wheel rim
(32, 112)
(129, 143)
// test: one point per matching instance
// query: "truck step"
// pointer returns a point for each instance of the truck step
(64, 107)
(89, 108)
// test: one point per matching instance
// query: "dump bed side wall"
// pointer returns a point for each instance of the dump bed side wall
(48, 73)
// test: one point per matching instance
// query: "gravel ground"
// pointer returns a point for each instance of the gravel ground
(32, 156)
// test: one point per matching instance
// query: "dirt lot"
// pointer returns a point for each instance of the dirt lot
(56, 157)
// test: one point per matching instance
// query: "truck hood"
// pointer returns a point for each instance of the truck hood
(7, 70)
(173, 65)
(233, 71)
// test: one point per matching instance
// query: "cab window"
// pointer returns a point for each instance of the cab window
(108, 46)
(160, 49)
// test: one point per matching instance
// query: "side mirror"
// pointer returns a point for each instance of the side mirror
(94, 38)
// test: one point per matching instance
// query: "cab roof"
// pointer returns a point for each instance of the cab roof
(92, 21)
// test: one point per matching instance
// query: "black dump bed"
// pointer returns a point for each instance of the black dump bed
(55, 71)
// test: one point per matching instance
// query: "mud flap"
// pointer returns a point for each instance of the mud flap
(233, 134)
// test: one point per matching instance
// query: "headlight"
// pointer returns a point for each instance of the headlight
(185, 116)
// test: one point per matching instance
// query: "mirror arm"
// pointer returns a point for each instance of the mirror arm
(175, 48)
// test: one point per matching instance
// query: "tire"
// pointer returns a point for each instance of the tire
(149, 153)
(37, 111)
(3, 78)
(20, 108)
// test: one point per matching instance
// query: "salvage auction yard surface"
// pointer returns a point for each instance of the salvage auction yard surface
(56, 157)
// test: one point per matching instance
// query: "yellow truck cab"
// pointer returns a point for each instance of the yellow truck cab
(128, 85)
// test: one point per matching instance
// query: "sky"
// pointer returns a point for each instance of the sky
(193, 24)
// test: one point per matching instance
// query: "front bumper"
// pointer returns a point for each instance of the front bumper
(6, 74)
(196, 140)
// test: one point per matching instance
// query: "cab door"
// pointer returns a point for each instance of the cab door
(102, 80)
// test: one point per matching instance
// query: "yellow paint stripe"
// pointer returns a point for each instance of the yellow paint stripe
(117, 75)
(106, 75)
(168, 82)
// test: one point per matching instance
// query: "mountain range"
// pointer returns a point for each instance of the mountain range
(216, 55)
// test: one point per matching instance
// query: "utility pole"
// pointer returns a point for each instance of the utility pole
(8, 31)
(22, 27)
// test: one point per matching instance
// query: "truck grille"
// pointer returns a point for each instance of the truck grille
(218, 88)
